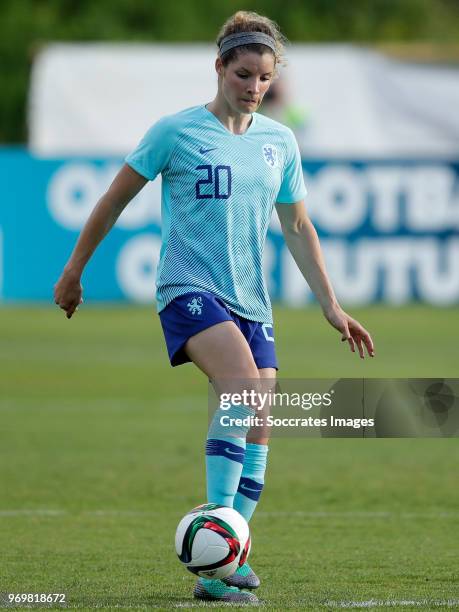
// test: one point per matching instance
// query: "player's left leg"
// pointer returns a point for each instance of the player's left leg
(254, 466)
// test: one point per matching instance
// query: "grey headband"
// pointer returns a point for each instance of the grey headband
(246, 38)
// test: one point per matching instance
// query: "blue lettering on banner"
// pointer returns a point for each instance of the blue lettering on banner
(389, 229)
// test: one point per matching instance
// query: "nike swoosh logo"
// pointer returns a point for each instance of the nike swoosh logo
(230, 452)
(202, 150)
(249, 489)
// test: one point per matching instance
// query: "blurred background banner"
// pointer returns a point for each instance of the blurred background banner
(379, 140)
(341, 100)
(389, 230)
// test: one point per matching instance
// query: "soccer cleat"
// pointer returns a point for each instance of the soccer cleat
(243, 578)
(217, 590)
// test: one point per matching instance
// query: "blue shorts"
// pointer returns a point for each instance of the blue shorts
(191, 313)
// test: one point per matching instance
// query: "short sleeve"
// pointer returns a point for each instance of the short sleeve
(154, 150)
(292, 188)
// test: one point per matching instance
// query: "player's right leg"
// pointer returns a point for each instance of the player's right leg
(223, 354)
(253, 472)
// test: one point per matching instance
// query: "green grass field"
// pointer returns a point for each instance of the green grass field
(101, 453)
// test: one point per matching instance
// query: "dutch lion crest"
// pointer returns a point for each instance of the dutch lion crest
(195, 305)
(270, 155)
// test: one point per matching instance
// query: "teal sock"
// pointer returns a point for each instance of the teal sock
(252, 480)
(225, 451)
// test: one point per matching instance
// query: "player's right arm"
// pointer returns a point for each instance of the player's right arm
(126, 185)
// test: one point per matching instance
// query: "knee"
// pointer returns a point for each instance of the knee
(239, 378)
(245, 371)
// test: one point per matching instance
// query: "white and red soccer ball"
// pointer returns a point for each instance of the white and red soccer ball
(212, 541)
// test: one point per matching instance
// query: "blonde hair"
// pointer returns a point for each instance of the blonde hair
(248, 21)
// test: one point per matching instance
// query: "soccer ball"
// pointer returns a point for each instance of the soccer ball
(212, 541)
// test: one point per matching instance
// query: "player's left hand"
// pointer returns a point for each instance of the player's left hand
(352, 331)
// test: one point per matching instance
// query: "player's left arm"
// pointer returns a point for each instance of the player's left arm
(303, 243)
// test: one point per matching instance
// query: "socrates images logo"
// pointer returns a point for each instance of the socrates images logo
(270, 155)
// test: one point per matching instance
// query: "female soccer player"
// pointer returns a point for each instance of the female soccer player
(223, 168)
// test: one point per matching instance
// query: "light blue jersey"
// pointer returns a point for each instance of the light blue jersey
(218, 192)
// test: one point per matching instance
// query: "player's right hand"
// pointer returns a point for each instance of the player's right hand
(68, 293)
